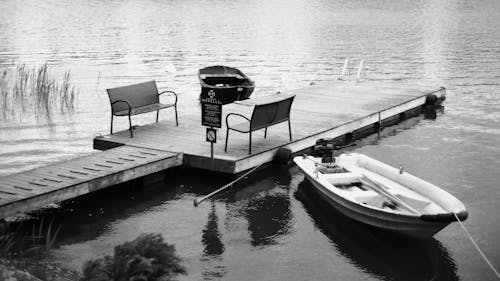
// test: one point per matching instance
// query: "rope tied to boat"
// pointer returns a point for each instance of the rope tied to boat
(477, 247)
(197, 201)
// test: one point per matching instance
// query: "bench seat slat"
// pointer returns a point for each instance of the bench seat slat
(241, 127)
(245, 126)
(143, 109)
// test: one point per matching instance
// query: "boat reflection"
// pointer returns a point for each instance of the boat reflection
(383, 254)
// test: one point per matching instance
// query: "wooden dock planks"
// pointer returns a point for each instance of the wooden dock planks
(39, 187)
(327, 110)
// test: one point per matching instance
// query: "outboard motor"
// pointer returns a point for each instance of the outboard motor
(324, 148)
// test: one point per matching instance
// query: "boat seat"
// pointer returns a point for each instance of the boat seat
(331, 170)
(342, 178)
(361, 195)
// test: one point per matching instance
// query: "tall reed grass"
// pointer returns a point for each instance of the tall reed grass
(26, 253)
(35, 90)
(34, 245)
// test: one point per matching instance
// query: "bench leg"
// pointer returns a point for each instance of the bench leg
(227, 135)
(130, 126)
(265, 132)
(176, 120)
(290, 129)
(157, 115)
(111, 123)
(250, 144)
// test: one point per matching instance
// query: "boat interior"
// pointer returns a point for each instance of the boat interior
(368, 188)
(214, 79)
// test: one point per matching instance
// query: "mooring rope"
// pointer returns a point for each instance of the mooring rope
(477, 247)
(198, 201)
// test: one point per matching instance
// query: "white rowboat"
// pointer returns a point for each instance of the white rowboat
(377, 194)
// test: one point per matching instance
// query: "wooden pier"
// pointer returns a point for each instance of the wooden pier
(37, 188)
(323, 111)
(337, 109)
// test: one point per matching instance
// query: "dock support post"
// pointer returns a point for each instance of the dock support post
(212, 151)
(349, 137)
(379, 126)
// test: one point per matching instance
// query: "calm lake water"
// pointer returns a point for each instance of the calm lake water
(272, 227)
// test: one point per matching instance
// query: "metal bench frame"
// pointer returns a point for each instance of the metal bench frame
(263, 116)
(137, 99)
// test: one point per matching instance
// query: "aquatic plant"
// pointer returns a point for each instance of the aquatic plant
(35, 90)
(147, 258)
(7, 239)
(43, 240)
(6, 244)
(35, 245)
(22, 252)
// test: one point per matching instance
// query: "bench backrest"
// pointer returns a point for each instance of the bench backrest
(137, 95)
(268, 114)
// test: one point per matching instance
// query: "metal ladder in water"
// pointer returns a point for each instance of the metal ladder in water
(346, 69)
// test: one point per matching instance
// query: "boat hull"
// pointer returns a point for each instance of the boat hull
(227, 82)
(425, 221)
(407, 225)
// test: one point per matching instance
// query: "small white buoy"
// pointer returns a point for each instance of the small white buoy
(196, 202)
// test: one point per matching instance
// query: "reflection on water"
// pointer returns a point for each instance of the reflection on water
(91, 216)
(268, 218)
(265, 205)
(213, 247)
(260, 202)
(211, 236)
(384, 254)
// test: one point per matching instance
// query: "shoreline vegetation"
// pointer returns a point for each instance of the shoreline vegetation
(24, 253)
(24, 256)
(28, 93)
(32, 94)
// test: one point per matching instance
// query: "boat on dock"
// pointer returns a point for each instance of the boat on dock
(231, 83)
(379, 195)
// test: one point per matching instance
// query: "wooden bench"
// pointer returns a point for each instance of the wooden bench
(137, 99)
(267, 111)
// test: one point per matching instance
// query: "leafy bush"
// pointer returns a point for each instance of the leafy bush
(147, 258)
